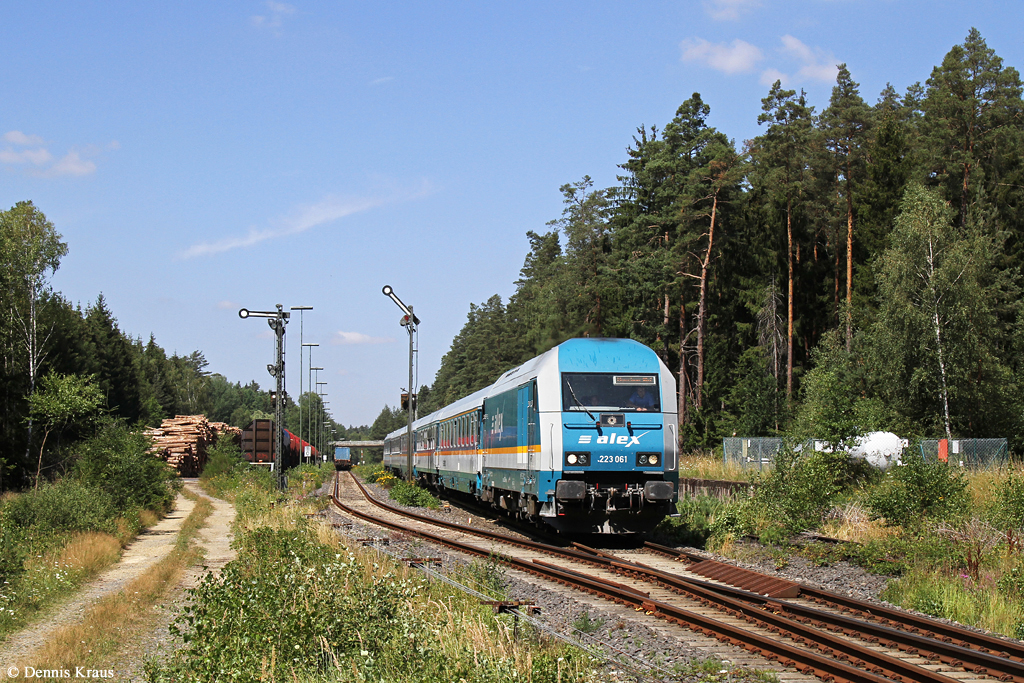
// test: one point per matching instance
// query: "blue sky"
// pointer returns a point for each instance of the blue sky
(199, 157)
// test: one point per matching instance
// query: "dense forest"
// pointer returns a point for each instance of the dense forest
(856, 268)
(66, 371)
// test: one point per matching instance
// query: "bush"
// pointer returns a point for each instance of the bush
(795, 494)
(221, 459)
(65, 506)
(404, 493)
(118, 462)
(697, 518)
(283, 594)
(915, 489)
(1009, 503)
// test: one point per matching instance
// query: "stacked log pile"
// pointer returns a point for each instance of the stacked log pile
(182, 441)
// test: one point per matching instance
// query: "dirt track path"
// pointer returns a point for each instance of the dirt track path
(149, 548)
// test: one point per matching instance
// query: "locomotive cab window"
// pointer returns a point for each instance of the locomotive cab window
(605, 391)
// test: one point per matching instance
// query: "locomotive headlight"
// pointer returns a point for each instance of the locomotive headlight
(577, 458)
(648, 459)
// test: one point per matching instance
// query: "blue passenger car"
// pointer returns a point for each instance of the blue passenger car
(581, 438)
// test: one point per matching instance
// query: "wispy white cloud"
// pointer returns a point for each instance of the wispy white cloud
(275, 16)
(37, 156)
(729, 10)
(16, 137)
(385, 79)
(227, 305)
(304, 218)
(347, 338)
(71, 164)
(30, 150)
(737, 57)
(813, 64)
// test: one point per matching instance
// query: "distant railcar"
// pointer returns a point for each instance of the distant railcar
(582, 438)
(258, 445)
(342, 458)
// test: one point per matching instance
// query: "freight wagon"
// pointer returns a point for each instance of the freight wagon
(258, 445)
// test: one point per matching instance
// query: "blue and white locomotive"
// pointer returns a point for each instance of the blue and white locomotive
(582, 438)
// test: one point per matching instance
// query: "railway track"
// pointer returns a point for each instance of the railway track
(806, 631)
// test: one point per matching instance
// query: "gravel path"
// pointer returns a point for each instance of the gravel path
(155, 641)
(149, 548)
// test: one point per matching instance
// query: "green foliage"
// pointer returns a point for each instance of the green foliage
(829, 392)
(404, 493)
(585, 623)
(487, 576)
(916, 489)
(697, 520)
(1009, 503)
(303, 601)
(221, 459)
(1012, 582)
(117, 461)
(291, 608)
(796, 492)
(67, 505)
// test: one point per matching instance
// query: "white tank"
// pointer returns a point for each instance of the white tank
(880, 449)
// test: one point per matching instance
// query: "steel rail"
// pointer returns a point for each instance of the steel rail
(781, 616)
(905, 622)
(805, 661)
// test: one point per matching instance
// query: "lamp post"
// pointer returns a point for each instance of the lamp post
(324, 429)
(277, 320)
(301, 310)
(409, 321)
(308, 407)
(312, 391)
(323, 410)
(328, 434)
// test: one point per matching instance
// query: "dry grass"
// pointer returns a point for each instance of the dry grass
(148, 518)
(108, 625)
(850, 522)
(90, 553)
(707, 465)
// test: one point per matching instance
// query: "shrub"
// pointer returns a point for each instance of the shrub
(284, 593)
(65, 506)
(1009, 503)
(117, 461)
(915, 489)
(221, 459)
(795, 494)
(404, 493)
(697, 518)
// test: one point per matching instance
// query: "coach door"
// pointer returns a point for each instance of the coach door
(527, 423)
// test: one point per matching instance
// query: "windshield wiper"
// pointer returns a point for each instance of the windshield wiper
(579, 402)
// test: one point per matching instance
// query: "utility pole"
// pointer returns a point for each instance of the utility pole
(301, 309)
(409, 321)
(277, 321)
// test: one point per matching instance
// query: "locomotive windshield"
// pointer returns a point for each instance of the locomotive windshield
(606, 391)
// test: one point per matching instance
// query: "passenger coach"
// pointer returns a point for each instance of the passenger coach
(581, 438)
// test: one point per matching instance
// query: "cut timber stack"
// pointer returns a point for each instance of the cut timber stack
(182, 441)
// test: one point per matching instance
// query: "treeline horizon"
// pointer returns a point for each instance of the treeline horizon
(847, 270)
(68, 371)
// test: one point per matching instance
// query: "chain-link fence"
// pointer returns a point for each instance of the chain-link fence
(972, 453)
(754, 451)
